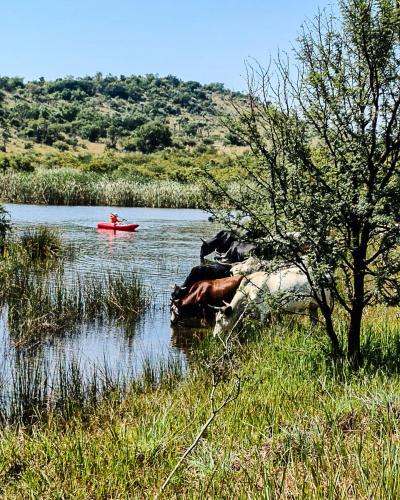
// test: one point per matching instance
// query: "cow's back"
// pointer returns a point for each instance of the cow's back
(212, 291)
(251, 287)
(249, 266)
(206, 272)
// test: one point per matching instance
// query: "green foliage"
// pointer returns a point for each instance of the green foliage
(19, 162)
(233, 139)
(108, 109)
(61, 145)
(153, 136)
(10, 84)
(327, 146)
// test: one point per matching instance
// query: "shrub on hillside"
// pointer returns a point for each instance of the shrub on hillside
(153, 136)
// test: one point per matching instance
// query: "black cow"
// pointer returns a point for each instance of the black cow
(199, 273)
(228, 247)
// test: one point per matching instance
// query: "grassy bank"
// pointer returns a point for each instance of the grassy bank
(69, 187)
(301, 426)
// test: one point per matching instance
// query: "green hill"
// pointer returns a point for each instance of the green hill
(124, 114)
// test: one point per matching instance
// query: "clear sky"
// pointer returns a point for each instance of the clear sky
(206, 40)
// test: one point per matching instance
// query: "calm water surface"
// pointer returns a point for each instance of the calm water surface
(161, 252)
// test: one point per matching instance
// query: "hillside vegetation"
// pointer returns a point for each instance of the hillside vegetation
(125, 113)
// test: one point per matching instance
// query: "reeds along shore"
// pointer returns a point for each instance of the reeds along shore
(68, 187)
(73, 187)
(40, 301)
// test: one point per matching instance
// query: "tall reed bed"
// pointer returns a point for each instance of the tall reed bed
(73, 187)
(41, 303)
(70, 187)
(39, 300)
(42, 245)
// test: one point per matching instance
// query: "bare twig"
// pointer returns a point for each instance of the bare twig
(219, 367)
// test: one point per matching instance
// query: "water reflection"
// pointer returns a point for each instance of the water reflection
(186, 338)
(162, 251)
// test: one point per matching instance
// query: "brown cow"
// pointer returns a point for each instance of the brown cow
(201, 295)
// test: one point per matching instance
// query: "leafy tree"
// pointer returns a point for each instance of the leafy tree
(61, 145)
(326, 137)
(153, 136)
(10, 84)
(43, 131)
(234, 140)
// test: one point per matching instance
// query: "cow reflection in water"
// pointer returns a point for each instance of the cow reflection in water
(185, 338)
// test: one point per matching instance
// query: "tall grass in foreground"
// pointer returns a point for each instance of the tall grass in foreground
(35, 392)
(303, 426)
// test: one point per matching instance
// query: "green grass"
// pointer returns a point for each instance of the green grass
(301, 427)
(34, 392)
(71, 187)
(41, 242)
(68, 187)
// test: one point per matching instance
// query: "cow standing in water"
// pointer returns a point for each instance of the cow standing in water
(203, 294)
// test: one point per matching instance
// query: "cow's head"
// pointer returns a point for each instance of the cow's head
(178, 292)
(203, 250)
(174, 308)
(224, 320)
(187, 316)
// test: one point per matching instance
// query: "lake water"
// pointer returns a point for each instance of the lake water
(162, 252)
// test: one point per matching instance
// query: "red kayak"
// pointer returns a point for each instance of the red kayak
(117, 227)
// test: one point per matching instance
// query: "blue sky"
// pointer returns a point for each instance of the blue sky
(206, 40)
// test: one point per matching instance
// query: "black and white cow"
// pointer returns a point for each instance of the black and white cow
(227, 246)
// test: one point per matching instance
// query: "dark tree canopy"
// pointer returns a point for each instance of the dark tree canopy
(152, 136)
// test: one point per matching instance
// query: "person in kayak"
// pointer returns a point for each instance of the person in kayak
(114, 219)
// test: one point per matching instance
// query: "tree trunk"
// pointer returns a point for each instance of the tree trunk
(327, 313)
(354, 334)
(358, 302)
